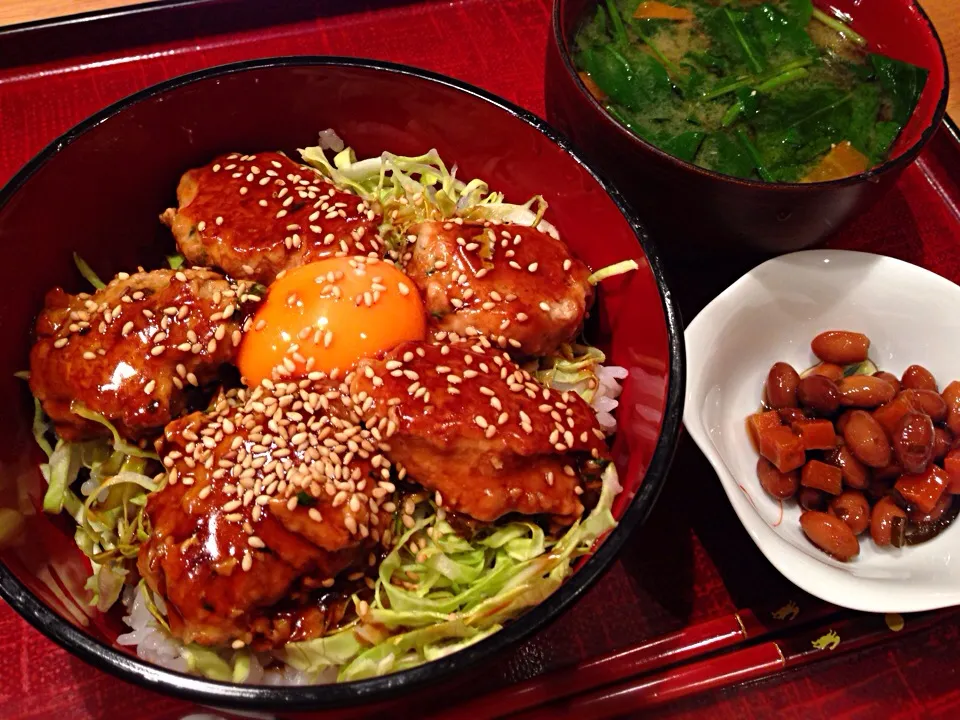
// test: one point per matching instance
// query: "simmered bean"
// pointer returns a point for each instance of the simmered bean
(841, 422)
(819, 394)
(790, 415)
(942, 442)
(828, 370)
(865, 391)
(840, 347)
(779, 485)
(930, 403)
(913, 442)
(890, 378)
(830, 534)
(782, 381)
(860, 451)
(951, 398)
(917, 377)
(851, 507)
(811, 499)
(866, 439)
(855, 474)
(888, 523)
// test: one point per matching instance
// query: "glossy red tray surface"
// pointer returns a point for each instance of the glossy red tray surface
(692, 561)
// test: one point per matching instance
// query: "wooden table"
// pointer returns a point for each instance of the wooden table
(945, 15)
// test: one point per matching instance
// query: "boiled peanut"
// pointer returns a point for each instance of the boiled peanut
(913, 442)
(841, 347)
(819, 394)
(782, 381)
(777, 484)
(865, 391)
(855, 475)
(830, 534)
(890, 378)
(929, 402)
(917, 377)
(851, 507)
(866, 439)
(888, 523)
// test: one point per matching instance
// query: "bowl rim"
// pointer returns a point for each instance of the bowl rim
(810, 571)
(892, 165)
(315, 697)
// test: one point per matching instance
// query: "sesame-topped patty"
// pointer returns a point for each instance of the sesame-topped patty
(131, 350)
(473, 426)
(512, 283)
(255, 215)
(266, 494)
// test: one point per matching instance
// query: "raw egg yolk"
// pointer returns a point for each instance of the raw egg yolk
(329, 314)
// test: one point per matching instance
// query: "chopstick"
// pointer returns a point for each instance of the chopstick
(847, 634)
(695, 641)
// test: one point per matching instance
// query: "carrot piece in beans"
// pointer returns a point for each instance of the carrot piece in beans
(816, 434)
(758, 422)
(923, 490)
(820, 476)
(951, 464)
(781, 447)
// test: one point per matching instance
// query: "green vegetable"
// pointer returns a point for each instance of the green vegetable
(619, 268)
(668, 83)
(466, 589)
(839, 26)
(902, 82)
(411, 189)
(119, 443)
(175, 261)
(88, 274)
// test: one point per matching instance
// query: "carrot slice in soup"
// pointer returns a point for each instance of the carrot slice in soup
(653, 10)
(842, 161)
(591, 86)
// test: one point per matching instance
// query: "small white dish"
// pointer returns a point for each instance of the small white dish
(772, 313)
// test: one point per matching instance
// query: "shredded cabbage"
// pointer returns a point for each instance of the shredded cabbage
(88, 274)
(438, 592)
(119, 443)
(408, 189)
(571, 368)
(624, 266)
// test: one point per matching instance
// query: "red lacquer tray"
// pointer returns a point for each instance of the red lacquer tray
(692, 561)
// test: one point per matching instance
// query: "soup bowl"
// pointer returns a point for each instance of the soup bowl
(112, 175)
(688, 207)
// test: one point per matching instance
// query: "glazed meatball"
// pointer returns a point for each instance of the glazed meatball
(471, 425)
(132, 350)
(254, 216)
(267, 496)
(515, 284)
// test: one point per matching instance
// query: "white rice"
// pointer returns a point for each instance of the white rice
(157, 646)
(608, 390)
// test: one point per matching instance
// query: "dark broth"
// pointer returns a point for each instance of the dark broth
(776, 91)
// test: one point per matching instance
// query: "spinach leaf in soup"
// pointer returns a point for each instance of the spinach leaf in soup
(722, 153)
(902, 83)
(780, 35)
